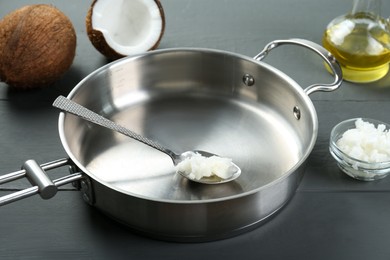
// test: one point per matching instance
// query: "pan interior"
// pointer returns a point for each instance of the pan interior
(254, 137)
(253, 126)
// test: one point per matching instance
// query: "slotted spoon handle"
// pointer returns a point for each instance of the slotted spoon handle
(74, 108)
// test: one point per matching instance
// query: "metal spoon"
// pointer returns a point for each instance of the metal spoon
(74, 108)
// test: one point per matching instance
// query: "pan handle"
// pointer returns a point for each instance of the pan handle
(330, 60)
(41, 183)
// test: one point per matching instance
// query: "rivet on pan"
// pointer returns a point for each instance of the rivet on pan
(84, 186)
(297, 112)
(86, 198)
(248, 80)
(87, 191)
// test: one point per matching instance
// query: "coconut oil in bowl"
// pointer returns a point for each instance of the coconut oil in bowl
(360, 41)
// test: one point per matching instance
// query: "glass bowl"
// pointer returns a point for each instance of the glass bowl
(358, 169)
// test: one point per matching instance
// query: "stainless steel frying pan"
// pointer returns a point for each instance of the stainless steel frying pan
(217, 101)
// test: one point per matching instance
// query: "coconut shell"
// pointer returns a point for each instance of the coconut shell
(98, 41)
(37, 46)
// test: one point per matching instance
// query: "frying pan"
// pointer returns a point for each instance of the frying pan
(225, 103)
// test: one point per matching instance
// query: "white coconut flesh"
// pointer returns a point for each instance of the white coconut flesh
(128, 26)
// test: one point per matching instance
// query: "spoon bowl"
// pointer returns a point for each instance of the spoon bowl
(67, 105)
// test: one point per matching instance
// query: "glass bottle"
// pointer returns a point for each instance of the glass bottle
(360, 41)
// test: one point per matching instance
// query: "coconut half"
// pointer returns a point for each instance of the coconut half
(119, 28)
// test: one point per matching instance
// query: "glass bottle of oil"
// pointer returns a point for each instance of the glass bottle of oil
(360, 41)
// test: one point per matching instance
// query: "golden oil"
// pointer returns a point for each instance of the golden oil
(361, 44)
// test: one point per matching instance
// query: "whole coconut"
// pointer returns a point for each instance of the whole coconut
(37, 46)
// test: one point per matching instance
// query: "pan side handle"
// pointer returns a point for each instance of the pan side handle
(329, 59)
(41, 183)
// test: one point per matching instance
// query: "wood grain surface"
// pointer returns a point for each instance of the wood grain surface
(331, 216)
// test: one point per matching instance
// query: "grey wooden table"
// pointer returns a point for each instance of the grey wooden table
(331, 216)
